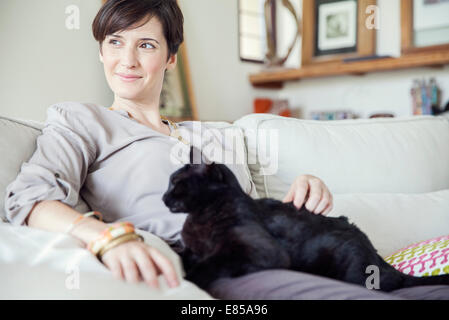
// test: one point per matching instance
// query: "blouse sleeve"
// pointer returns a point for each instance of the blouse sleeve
(56, 170)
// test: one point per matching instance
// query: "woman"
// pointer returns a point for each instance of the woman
(117, 158)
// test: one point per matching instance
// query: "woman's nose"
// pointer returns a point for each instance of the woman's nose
(129, 58)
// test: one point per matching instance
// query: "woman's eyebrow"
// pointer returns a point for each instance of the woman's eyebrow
(145, 39)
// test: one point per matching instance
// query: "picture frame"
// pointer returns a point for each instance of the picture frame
(177, 98)
(425, 16)
(334, 30)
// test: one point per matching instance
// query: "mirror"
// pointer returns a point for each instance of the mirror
(430, 22)
(252, 30)
(425, 25)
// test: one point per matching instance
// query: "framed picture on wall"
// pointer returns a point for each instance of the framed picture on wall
(177, 101)
(334, 30)
(336, 26)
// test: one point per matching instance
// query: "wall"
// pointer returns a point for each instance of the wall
(371, 93)
(220, 79)
(42, 62)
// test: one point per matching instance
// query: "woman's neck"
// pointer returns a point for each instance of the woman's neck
(145, 114)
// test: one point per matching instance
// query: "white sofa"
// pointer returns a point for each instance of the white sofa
(389, 176)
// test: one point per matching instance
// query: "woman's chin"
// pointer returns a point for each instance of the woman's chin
(127, 94)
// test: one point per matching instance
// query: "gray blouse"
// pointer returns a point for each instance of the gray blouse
(117, 165)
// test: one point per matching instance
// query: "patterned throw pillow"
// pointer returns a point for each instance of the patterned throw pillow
(427, 258)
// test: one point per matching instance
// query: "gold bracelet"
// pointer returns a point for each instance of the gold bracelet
(117, 241)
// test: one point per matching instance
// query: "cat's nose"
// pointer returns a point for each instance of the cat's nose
(165, 197)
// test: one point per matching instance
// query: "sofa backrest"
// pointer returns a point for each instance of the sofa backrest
(383, 155)
(17, 144)
(399, 155)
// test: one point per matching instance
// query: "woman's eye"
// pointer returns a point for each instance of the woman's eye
(150, 46)
(147, 44)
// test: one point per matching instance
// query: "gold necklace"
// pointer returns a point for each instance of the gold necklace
(173, 133)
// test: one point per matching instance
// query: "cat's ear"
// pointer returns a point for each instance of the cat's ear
(191, 155)
(195, 155)
(216, 171)
(202, 169)
(207, 169)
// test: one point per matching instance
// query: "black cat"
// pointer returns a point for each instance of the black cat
(229, 234)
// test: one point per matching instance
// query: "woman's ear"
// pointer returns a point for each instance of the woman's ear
(172, 61)
(100, 56)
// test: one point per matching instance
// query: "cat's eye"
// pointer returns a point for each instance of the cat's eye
(178, 190)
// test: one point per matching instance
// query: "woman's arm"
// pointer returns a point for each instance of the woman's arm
(47, 188)
(56, 216)
(133, 260)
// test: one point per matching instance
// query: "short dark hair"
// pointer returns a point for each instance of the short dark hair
(118, 15)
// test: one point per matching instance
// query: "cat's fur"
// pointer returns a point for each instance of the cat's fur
(229, 234)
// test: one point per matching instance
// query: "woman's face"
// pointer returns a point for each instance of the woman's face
(140, 52)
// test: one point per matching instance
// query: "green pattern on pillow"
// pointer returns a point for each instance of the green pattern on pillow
(426, 258)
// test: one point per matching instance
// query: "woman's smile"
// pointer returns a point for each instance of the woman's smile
(128, 78)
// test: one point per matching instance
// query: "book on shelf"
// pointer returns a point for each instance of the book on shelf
(425, 97)
(332, 115)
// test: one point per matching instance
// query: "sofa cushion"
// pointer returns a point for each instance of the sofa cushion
(394, 221)
(404, 155)
(231, 140)
(426, 258)
(17, 143)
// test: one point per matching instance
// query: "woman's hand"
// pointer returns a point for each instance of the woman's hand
(319, 197)
(136, 261)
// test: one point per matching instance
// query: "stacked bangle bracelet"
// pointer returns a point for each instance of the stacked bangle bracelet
(117, 241)
(113, 236)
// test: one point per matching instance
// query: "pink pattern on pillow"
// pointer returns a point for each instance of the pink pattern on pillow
(424, 258)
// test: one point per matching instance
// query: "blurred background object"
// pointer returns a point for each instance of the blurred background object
(272, 58)
(274, 106)
(426, 97)
(333, 115)
(381, 115)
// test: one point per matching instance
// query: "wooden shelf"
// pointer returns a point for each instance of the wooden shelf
(276, 78)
